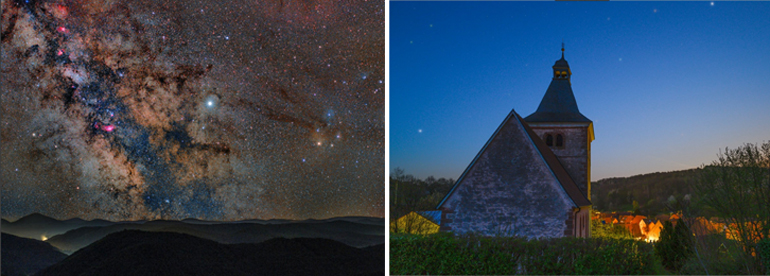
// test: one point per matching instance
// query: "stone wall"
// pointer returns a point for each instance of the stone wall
(509, 190)
(573, 155)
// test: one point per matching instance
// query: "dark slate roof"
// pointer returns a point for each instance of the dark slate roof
(558, 104)
(562, 62)
(434, 216)
(550, 158)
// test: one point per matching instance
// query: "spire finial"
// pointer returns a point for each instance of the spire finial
(562, 49)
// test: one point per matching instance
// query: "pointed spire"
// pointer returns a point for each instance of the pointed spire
(562, 49)
(558, 104)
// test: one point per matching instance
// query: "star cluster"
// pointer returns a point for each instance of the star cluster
(169, 109)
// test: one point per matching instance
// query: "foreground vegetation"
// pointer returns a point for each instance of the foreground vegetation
(470, 254)
(733, 191)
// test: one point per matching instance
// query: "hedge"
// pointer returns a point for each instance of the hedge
(471, 254)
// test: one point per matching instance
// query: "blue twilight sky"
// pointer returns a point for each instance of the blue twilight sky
(667, 84)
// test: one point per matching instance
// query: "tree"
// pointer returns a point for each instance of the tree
(408, 194)
(737, 188)
(675, 245)
(635, 206)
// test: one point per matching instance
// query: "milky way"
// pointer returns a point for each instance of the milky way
(214, 110)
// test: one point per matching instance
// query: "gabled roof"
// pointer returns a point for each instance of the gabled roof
(637, 219)
(548, 156)
(434, 216)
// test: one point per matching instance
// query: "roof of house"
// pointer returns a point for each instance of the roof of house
(626, 218)
(562, 177)
(637, 219)
(434, 216)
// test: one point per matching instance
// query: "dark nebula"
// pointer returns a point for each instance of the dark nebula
(233, 110)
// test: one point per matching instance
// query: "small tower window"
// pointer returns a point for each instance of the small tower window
(559, 140)
(549, 140)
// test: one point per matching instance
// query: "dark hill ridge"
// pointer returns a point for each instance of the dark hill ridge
(651, 191)
(21, 256)
(36, 218)
(35, 226)
(350, 233)
(162, 253)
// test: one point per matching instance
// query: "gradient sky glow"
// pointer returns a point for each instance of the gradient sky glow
(667, 84)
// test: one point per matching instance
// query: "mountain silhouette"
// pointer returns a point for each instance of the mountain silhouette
(351, 233)
(36, 226)
(134, 252)
(22, 256)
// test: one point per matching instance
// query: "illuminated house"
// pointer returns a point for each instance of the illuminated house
(420, 222)
(653, 231)
(532, 178)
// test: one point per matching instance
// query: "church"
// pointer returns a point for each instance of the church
(533, 176)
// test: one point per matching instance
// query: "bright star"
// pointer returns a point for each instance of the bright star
(419, 130)
(211, 101)
(712, 3)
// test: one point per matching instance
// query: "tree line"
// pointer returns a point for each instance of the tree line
(408, 194)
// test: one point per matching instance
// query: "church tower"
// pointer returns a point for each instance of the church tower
(563, 129)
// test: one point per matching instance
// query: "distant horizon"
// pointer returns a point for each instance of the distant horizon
(406, 172)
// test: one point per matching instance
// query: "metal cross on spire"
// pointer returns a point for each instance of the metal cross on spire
(562, 49)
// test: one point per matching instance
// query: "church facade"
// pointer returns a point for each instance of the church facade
(532, 177)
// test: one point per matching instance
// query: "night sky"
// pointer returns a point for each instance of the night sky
(667, 84)
(232, 110)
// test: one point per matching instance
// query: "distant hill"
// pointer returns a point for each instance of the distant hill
(36, 226)
(21, 256)
(651, 191)
(351, 233)
(162, 253)
(73, 234)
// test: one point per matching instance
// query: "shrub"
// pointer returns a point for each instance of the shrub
(609, 230)
(763, 250)
(471, 254)
(674, 246)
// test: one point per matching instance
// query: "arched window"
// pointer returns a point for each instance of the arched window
(559, 140)
(549, 140)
